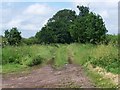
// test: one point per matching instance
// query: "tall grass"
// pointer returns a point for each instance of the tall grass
(81, 52)
(105, 56)
(61, 56)
(21, 54)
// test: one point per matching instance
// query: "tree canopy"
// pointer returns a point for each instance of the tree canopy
(57, 28)
(66, 27)
(13, 36)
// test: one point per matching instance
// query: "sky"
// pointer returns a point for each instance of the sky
(29, 17)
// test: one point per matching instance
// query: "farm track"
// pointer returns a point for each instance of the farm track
(69, 76)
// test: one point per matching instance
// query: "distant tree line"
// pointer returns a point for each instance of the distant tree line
(13, 36)
(66, 27)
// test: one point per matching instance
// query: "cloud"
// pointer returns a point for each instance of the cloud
(14, 23)
(38, 9)
(30, 18)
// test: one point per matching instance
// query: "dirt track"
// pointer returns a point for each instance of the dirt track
(69, 76)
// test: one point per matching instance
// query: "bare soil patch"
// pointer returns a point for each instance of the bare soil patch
(70, 76)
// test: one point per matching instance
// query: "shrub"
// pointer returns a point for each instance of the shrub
(33, 61)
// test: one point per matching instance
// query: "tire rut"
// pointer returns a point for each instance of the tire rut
(70, 76)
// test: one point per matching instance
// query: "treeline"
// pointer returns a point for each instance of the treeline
(66, 27)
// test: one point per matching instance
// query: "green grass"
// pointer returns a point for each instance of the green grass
(61, 56)
(19, 54)
(11, 68)
(105, 56)
(16, 58)
(81, 52)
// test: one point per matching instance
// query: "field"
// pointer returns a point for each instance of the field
(100, 62)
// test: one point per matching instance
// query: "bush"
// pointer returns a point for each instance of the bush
(33, 61)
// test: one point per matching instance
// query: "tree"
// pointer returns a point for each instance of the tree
(57, 28)
(45, 35)
(88, 27)
(13, 36)
(83, 10)
(66, 27)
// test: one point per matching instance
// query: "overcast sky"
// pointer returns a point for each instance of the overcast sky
(29, 16)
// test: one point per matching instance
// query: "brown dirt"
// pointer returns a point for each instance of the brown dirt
(69, 76)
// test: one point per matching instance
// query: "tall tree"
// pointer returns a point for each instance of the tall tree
(57, 28)
(13, 36)
(66, 27)
(88, 27)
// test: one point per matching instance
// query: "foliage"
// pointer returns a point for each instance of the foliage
(61, 56)
(112, 39)
(88, 27)
(13, 36)
(66, 27)
(57, 28)
(22, 54)
(8, 68)
(29, 41)
(106, 57)
(3, 41)
(34, 61)
(110, 63)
